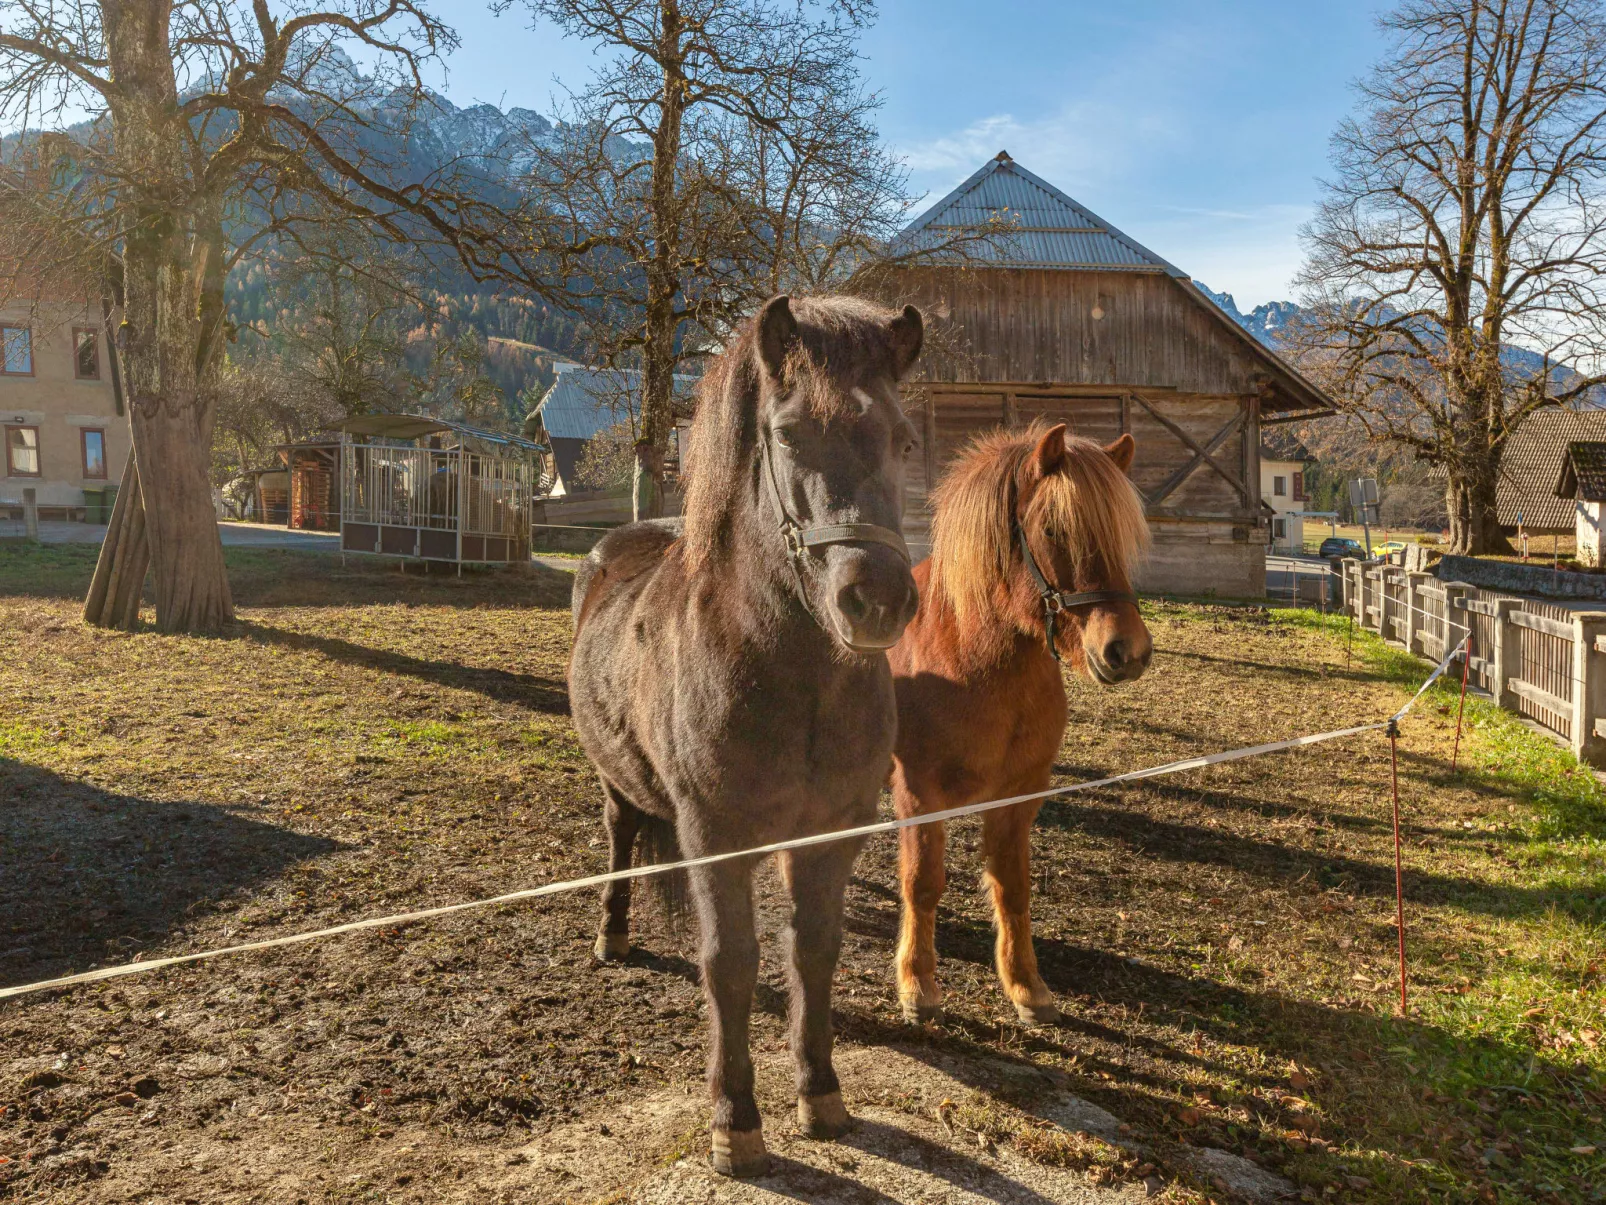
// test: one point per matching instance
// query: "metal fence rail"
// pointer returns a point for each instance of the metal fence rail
(450, 504)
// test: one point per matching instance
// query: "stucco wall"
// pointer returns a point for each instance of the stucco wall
(61, 405)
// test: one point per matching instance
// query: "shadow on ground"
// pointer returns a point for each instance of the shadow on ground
(91, 876)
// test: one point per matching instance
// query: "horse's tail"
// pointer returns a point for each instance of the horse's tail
(658, 844)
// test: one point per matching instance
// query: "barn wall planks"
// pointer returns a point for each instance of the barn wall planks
(1038, 325)
(1192, 554)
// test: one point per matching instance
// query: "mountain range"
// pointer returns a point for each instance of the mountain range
(1266, 323)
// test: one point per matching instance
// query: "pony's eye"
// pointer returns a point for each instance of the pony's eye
(787, 437)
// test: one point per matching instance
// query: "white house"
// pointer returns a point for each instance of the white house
(1283, 465)
(1583, 479)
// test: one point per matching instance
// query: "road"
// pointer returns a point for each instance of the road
(1282, 572)
(234, 535)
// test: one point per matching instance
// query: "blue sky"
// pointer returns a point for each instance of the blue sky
(1199, 128)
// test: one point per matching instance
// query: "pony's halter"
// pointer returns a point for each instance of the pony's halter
(801, 541)
(1056, 601)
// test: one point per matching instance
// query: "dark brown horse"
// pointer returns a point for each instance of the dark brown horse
(1035, 533)
(731, 683)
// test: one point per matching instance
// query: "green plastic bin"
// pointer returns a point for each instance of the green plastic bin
(98, 503)
(95, 508)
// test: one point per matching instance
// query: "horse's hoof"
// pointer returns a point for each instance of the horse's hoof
(823, 1116)
(917, 1013)
(612, 947)
(739, 1153)
(1034, 1015)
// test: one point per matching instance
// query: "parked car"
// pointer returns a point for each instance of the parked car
(1340, 546)
(1389, 546)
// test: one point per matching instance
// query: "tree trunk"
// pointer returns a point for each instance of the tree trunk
(191, 584)
(663, 276)
(168, 343)
(1474, 516)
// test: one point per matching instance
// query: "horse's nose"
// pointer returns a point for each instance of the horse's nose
(874, 606)
(859, 609)
(1124, 660)
(853, 604)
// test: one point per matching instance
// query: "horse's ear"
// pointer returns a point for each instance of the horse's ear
(1121, 451)
(907, 334)
(777, 331)
(1050, 453)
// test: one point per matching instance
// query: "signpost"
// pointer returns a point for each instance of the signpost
(1363, 501)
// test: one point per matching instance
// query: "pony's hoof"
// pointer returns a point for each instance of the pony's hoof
(823, 1116)
(739, 1153)
(612, 947)
(1034, 1015)
(917, 1013)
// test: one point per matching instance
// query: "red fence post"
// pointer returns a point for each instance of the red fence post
(1399, 873)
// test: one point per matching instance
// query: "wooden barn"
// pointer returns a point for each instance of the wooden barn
(1063, 317)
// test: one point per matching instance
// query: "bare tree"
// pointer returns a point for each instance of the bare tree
(725, 153)
(1465, 224)
(214, 126)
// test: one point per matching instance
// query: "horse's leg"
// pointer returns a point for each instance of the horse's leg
(817, 879)
(922, 879)
(1006, 841)
(622, 820)
(729, 961)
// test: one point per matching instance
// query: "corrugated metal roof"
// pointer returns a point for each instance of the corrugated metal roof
(416, 426)
(1044, 227)
(584, 401)
(1530, 467)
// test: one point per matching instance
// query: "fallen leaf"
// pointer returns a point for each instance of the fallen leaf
(1188, 1117)
(1583, 1150)
(1299, 1081)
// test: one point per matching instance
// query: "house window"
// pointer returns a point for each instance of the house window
(86, 353)
(1299, 487)
(1279, 486)
(1279, 529)
(16, 351)
(94, 446)
(22, 451)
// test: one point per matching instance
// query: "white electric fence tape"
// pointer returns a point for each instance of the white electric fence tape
(637, 872)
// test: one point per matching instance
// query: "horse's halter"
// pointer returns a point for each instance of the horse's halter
(800, 540)
(1056, 601)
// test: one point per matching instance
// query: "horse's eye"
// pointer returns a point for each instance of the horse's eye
(787, 437)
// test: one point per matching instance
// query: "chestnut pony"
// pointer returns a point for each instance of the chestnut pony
(1035, 534)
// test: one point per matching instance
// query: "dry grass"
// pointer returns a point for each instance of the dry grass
(1223, 940)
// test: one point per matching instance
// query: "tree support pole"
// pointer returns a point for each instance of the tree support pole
(119, 581)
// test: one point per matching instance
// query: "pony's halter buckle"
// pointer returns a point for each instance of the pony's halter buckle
(1057, 602)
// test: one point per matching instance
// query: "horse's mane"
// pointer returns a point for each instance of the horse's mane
(841, 341)
(1088, 507)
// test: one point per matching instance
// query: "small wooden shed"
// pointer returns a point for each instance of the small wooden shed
(1064, 317)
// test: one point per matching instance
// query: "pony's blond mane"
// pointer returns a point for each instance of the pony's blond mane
(1088, 507)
